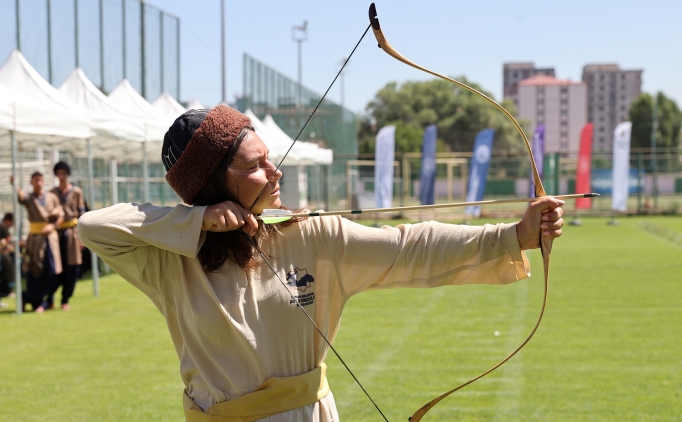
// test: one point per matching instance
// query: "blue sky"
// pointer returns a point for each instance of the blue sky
(472, 38)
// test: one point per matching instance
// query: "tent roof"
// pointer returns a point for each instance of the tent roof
(309, 150)
(195, 104)
(108, 119)
(167, 105)
(125, 96)
(60, 117)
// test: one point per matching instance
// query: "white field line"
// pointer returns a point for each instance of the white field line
(677, 243)
(509, 392)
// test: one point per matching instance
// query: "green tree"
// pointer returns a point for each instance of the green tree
(669, 121)
(459, 115)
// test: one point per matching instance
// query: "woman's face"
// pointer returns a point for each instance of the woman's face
(249, 172)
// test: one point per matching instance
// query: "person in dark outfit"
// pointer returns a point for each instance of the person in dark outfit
(70, 247)
(6, 258)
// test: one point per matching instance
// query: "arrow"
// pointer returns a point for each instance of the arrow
(272, 216)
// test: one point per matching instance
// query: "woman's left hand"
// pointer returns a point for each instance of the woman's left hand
(542, 216)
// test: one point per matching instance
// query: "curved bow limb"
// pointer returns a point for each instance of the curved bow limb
(545, 242)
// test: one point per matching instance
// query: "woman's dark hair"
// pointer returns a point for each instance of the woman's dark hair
(233, 246)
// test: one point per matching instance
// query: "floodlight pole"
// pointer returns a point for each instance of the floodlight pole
(123, 33)
(300, 34)
(75, 30)
(16, 3)
(143, 70)
(101, 44)
(49, 42)
(222, 52)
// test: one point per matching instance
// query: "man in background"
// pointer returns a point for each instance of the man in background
(70, 247)
(45, 214)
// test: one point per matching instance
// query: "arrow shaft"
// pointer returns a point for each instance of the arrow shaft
(435, 206)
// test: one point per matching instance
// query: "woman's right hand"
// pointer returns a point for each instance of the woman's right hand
(227, 216)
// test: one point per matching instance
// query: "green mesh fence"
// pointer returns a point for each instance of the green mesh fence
(109, 39)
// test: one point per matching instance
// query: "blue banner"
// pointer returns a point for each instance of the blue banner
(427, 190)
(479, 169)
(538, 147)
(602, 182)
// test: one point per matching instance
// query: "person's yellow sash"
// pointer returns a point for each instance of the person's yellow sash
(275, 395)
(37, 228)
(68, 224)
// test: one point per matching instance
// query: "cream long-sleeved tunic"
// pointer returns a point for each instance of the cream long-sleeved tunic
(233, 330)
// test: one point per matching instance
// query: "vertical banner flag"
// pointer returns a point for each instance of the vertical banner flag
(538, 147)
(621, 166)
(428, 171)
(383, 170)
(479, 169)
(583, 172)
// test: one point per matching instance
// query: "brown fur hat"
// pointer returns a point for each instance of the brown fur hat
(206, 148)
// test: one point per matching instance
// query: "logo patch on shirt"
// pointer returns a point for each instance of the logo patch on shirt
(301, 284)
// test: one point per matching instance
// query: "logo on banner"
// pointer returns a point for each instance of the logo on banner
(483, 153)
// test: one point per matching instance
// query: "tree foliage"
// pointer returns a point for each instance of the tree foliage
(459, 115)
(669, 121)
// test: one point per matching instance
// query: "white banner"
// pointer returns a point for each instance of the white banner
(621, 166)
(383, 171)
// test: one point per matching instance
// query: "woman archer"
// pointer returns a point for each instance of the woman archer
(246, 352)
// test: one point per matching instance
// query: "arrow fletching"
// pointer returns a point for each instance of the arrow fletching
(270, 216)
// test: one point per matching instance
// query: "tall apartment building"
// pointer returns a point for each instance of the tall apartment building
(513, 73)
(610, 91)
(561, 105)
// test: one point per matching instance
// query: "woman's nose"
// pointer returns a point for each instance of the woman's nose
(276, 175)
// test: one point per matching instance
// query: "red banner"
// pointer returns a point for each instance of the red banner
(582, 179)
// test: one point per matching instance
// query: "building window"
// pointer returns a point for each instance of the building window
(564, 90)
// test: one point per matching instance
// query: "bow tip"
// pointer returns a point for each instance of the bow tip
(373, 18)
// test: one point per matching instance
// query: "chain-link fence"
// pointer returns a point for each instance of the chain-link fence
(110, 40)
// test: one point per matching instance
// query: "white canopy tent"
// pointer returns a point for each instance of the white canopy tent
(61, 118)
(42, 117)
(118, 133)
(168, 106)
(195, 104)
(312, 152)
(156, 124)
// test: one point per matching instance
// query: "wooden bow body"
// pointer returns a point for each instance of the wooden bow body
(545, 242)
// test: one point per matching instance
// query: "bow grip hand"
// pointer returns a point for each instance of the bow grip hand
(543, 217)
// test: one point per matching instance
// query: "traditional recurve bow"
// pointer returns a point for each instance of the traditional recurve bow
(545, 242)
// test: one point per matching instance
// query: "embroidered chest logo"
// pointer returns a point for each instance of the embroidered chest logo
(301, 284)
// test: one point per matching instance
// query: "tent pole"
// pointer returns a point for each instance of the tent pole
(114, 181)
(145, 172)
(91, 189)
(17, 233)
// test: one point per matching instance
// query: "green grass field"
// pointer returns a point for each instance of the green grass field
(609, 348)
